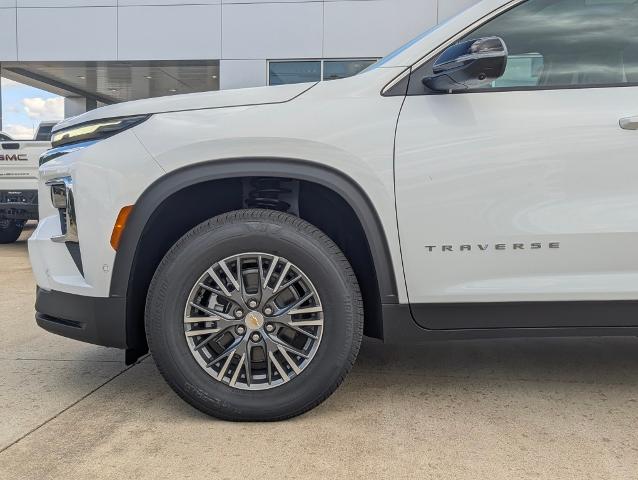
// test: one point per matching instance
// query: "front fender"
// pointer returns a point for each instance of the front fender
(185, 177)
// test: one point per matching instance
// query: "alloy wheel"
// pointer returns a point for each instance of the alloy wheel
(253, 321)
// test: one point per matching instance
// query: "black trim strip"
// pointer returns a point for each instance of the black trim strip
(558, 314)
(76, 255)
(89, 319)
(399, 328)
(521, 89)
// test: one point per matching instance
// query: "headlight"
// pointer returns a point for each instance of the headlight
(93, 131)
(63, 150)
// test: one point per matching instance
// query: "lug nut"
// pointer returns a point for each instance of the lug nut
(241, 329)
(255, 337)
(268, 311)
(239, 313)
(270, 328)
(252, 303)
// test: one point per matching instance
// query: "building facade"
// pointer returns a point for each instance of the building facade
(103, 51)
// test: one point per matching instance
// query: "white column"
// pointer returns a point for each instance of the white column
(74, 106)
(242, 73)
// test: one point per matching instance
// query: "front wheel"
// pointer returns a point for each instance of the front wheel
(254, 315)
(10, 230)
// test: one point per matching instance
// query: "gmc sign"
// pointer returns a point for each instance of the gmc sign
(20, 157)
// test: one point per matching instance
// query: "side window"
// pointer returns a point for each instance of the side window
(560, 43)
(522, 71)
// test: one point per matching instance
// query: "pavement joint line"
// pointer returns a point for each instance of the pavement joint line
(59, 360)
(67, 408)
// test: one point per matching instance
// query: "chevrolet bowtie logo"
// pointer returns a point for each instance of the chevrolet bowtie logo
(254, 320)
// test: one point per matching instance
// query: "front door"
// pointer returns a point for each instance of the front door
(527, 191)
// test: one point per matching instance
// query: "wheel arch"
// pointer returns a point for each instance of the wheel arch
(152, 199)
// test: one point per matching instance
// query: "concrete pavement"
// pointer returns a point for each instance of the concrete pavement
(556, 408)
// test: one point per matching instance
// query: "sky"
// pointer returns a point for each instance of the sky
(24, 107)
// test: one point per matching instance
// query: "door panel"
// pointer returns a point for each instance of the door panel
(519, 196)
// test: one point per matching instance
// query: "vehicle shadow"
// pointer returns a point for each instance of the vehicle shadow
(386, 375)
(584, 360)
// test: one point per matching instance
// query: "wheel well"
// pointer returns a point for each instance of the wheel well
(194, 204)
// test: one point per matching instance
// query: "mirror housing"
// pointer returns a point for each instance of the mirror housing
(470, 64)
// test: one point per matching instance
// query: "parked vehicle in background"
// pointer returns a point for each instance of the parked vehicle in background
(250, 238)
(19, 180)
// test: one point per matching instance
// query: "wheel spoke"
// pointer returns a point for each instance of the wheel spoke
(289, 360)
(228, 273)
(214, 316)
(290, 283)
(294, 327)
(280, 343)
(211, 289)
(281, 278)
(190, 319)
(300, 311)
(211, 337)
(206, 331)
(247, 363)
(218, 281)
(306, 323)
(222, 371)
(301, 301)
(268, 362)
(260, 277)
(237, 370)
(278, 366)
(204, 309)
(230, 350)
(271, 269)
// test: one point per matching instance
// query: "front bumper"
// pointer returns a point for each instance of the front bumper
(106, 177)
(74, 278)
(19, 204)
(97, 320)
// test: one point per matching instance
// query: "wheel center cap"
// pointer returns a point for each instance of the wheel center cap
(254, 320)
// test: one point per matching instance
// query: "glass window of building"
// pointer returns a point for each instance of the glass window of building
(282, 73)
(334, 69)
(44, 133)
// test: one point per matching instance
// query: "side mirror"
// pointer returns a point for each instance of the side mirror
(471, 64)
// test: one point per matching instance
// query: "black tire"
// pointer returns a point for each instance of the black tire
(10, 230)
(270, 232)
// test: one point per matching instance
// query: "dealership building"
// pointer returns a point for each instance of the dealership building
(96, 52)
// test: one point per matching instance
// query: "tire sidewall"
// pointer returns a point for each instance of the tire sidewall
(11, 232)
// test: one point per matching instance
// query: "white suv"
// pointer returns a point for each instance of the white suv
(479, 182)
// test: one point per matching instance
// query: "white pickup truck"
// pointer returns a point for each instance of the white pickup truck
(19, 180)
